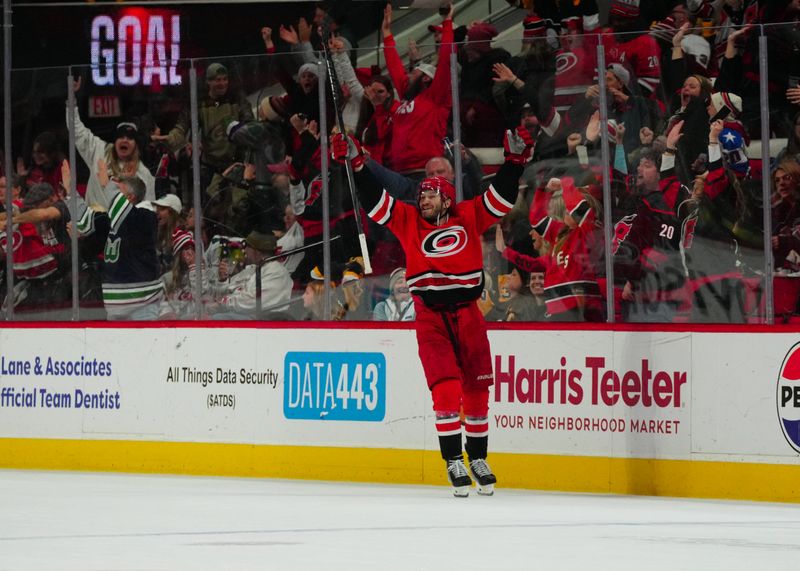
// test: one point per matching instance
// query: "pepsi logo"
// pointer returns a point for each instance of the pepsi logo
(788, 397)
(444, 242)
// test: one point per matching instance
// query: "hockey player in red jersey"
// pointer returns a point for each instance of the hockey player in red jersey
(442, 243)
(632, 46)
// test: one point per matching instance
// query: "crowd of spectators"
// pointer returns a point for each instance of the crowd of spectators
(682, 106)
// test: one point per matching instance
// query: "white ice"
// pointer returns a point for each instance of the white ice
(90, 521)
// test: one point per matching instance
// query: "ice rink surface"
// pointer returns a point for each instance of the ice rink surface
(90, 521)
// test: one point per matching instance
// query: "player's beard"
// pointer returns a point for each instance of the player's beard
(435, 215)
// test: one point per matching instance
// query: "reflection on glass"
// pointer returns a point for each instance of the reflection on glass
(684, 127)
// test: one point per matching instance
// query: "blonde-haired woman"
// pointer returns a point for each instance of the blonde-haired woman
(314, 300)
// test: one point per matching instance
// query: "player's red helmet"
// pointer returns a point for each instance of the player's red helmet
(440, 185)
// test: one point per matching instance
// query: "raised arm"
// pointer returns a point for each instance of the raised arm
(394, 64)
(517, 149)
(109, 189)
(367, 186)
(87, 144)
(440, 86)
(345, 71)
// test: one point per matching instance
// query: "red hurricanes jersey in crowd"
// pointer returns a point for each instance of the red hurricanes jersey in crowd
(570, 278)
(646, 247)
(641, 55)
(32, 258)
(420, 124)
(444, 263)
(576, 70)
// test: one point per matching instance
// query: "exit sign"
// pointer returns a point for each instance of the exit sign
(104, 106)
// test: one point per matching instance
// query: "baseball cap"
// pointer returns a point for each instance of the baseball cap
(126, 129)
(170, 201)
(427, 69)
(216, 69)
(266, 243)
(621, 72)
(698, 47)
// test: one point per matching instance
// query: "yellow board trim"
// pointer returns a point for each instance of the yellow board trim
(676, 478)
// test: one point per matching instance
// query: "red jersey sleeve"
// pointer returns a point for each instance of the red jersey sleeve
(441, 84)
(394, 65)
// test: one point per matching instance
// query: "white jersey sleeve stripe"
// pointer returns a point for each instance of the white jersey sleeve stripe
(495, 203)
(383, 210)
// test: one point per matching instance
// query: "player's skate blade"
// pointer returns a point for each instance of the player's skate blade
(459, 478)
(487, 490)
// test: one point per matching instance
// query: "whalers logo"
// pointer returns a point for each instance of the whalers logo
(788, 397)
(444, 242)
(111, 252)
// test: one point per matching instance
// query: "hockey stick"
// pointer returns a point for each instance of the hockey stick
(298, 249)
(336, 92)
(281, 255)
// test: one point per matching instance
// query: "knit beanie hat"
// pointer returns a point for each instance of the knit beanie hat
(731, 100)
(533, 28)
(480, 36)
(624, 8)
(308, 67)
(396, 276)
(181, 239)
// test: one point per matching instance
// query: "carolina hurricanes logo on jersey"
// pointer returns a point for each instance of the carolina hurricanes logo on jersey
(565, 62)
(444, 242)
(16, 241)
(621, 231)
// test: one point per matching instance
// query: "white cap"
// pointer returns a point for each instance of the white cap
(170, 201)
(427, 69)
(698, 47)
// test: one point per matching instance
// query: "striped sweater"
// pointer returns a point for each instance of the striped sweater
(131, 277)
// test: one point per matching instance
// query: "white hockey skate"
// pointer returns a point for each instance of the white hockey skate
(459, 478)
(484, 478)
